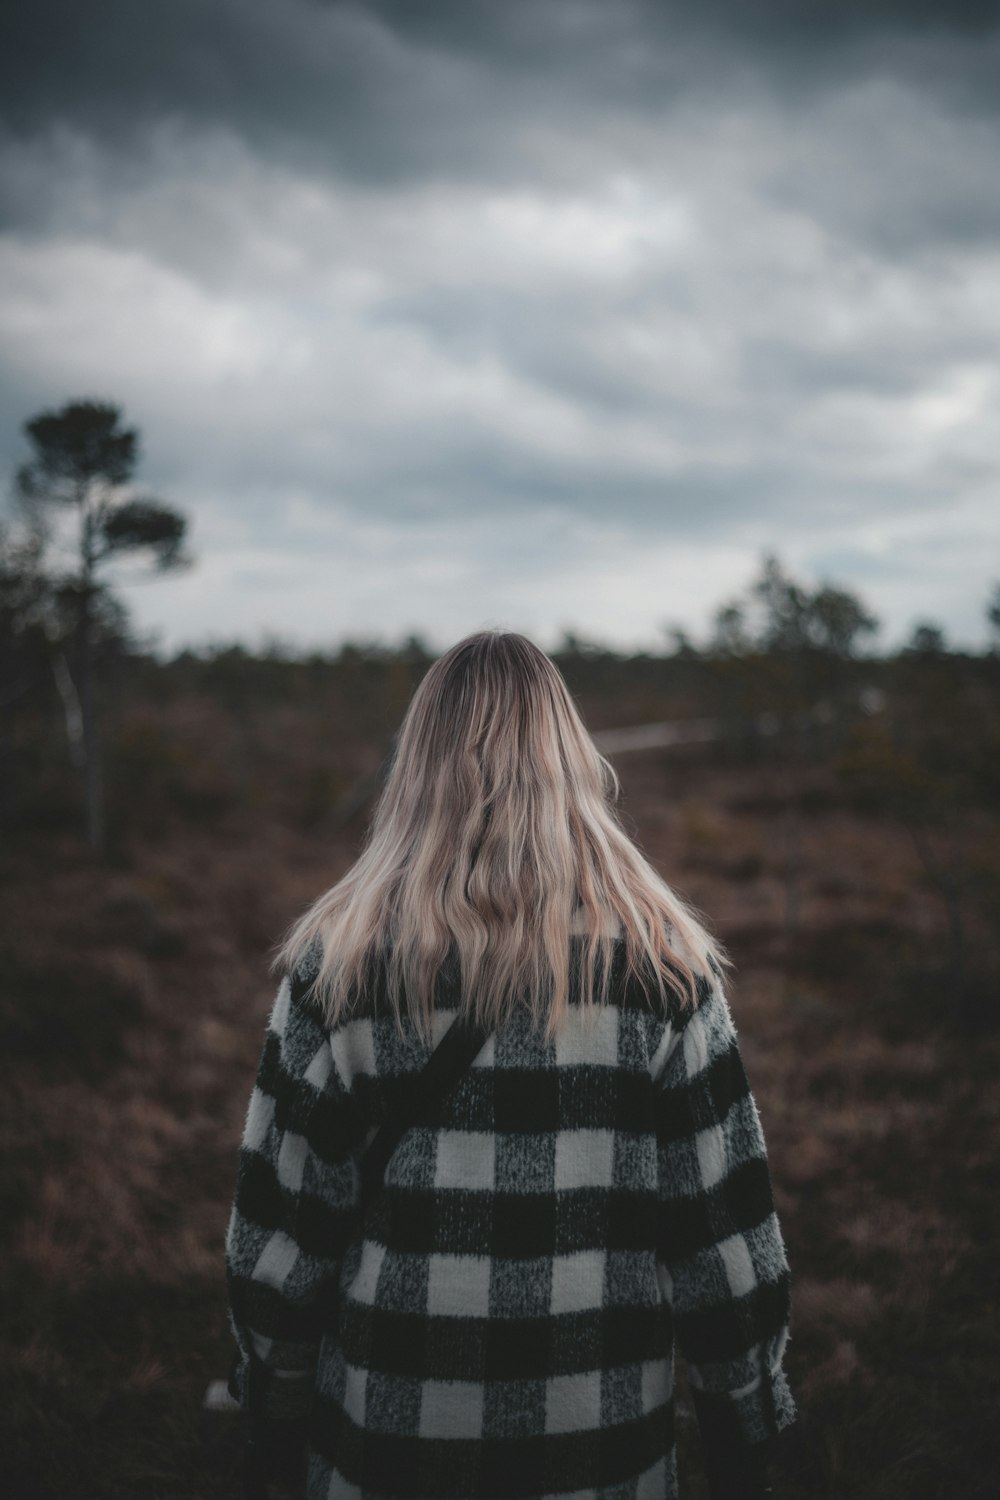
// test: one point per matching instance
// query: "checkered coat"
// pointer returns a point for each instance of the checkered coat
(503, 1322)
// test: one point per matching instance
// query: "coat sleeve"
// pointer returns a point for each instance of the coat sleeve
(719, 1245)
(294, 1208)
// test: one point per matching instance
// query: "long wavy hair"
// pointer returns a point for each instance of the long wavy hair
(493, 848)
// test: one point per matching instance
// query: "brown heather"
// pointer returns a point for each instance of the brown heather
(133, 1003)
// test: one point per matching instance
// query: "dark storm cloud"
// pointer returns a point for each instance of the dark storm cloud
(516, 303)
(327, 84)
(391, 88)
(391, 92)
(361, 90)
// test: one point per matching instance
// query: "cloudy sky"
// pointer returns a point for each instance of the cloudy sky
(436, 314)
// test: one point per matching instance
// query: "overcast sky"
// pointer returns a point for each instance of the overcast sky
(539, 313)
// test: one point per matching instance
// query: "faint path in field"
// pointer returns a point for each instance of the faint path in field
(634, 737)
(674, 732)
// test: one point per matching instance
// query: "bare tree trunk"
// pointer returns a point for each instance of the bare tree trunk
(13, 690)
(948, 883)
(72, 712)
(792, 872)
(93, 786)
(956, 946)
(8, 789)
(93, 781)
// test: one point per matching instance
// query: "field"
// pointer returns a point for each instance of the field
(134, 993)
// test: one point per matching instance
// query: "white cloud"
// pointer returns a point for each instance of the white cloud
(590, 396)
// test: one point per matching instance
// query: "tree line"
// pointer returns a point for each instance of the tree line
(779, 647)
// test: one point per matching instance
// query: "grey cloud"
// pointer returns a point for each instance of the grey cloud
(290, 239)
(879, 121)
(390, 89)
(327, 86)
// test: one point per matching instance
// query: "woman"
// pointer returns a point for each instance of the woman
(502, 1322)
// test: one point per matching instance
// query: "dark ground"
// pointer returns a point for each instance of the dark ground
(133, 998)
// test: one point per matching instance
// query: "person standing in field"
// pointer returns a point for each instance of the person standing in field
(594, 1187)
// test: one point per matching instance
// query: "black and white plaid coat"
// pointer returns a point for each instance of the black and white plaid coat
(505, 1318)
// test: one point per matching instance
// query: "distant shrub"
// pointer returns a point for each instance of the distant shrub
(136, 920)
(69, 1011)
(854, 952)
(744, 867)
(157, 774)
(322, 788)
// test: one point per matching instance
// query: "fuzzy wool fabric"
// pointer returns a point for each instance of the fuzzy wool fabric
(503, 1323)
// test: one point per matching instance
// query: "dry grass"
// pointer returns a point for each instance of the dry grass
(122, 1120)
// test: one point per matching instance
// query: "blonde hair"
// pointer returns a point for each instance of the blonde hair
(494, 842)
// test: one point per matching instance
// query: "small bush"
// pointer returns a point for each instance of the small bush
(65, 1011)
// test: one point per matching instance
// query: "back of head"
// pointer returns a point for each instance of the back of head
(495, 853)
